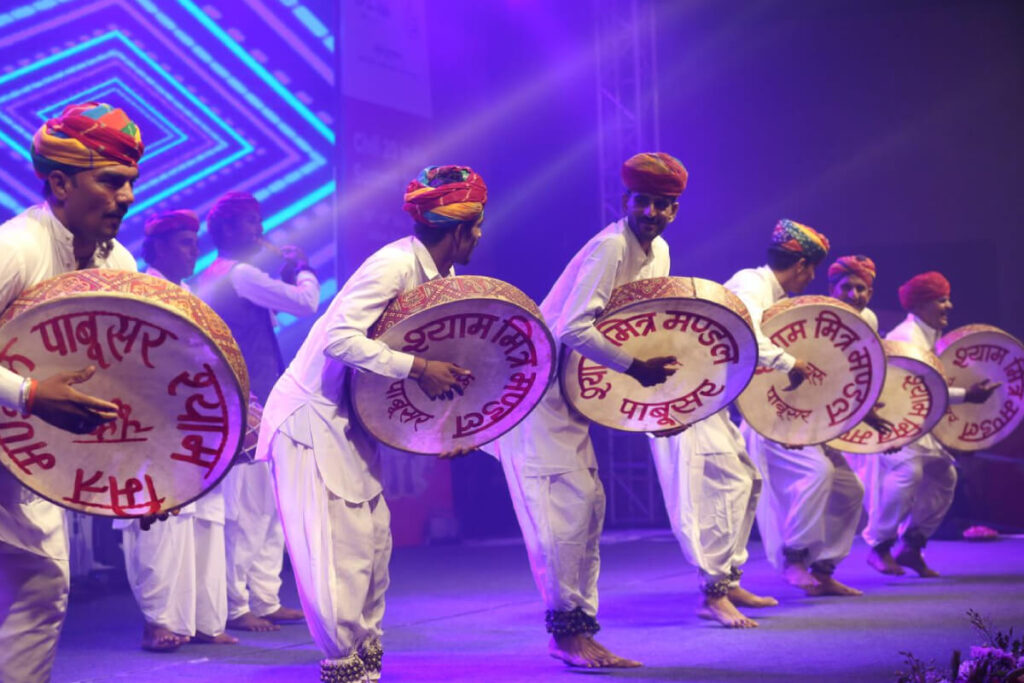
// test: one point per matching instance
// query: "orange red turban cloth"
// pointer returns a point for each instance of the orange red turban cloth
(86, 136)
(171, 221)
(445, 195)
(654, 173)
(801, 239)
(858, 265)
(923, 288)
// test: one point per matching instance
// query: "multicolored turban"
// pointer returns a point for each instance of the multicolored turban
(445, 195)
(923, 288)
(654, 173)
(801, 239)
(231, 205)
(86, 136)
(171, 221)
(858, 265)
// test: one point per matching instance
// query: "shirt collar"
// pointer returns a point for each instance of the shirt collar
(426, 261)
(633, 244)
(64, 238)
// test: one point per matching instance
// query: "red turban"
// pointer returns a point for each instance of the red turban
(922, 289)
(445, 195)
(654, 173)
(858, 265)
(231, 205)
(171, 221)
(88, 135)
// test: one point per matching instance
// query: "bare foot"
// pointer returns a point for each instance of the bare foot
(883, 562)
(741, 596)
(797, 574)
(583, 651)
(722, 610)
(912, 558)
(207, 639)
(156, 638)
(251, 622)
(285, 614)
(827, 585)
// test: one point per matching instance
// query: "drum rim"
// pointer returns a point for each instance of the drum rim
(176, 312)
(565, 352)
(817, 300)
(353, 373)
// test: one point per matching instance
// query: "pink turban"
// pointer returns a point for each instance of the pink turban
(922, 289)
(654, 173)
(858, 265)
(171, 221)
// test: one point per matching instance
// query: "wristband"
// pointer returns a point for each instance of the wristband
(31, 398)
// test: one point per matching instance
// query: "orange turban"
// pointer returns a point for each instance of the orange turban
(858, 265)
(85, 136)
(654, 173)
(922, 289)
(445, 195)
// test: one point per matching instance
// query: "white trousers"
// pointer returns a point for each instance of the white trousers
(908, 494)
(254, 540)
(711, 498)
(339, 551)
(33, 602)
(811, 503)
(177, 575)
(561, 517)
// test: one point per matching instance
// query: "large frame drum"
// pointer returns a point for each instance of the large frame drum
(704, 325)
(970, 354)
(914, 399)
(162, 355)
(848, 371)
(484, 325)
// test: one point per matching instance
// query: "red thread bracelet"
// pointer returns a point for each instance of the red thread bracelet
(31, 396)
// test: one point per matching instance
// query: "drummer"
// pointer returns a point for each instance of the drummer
(88, 161)
(176, 569)
(911, 490)
(808, 512)
(548, 459)
(326, 467)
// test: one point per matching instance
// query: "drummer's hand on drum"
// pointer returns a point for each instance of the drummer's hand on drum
(653, 371)
(62, 406)
(437, 378)
(801, 369)
(980, 391)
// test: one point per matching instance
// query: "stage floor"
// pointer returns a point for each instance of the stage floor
(470, 613)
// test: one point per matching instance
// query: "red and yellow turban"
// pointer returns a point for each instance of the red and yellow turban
(445, 195)
(654, 173)
(85, 136)
(858, 265)
(801, 239)
(923, 288)
(171, 221)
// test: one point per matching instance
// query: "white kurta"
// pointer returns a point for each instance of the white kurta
(33, 541)
(326, 467)
(176, 569)
(910, 491)
(252, 529)
(548, 458)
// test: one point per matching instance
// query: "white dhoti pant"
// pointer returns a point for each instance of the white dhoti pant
(254, 540)
(339, 552)
(177, 575)
(711, 489)
(811, 504)
(908, 494)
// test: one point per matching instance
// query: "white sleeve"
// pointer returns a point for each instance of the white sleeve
(957, 395)
(768, 354)
(588, 297)
(12, 283)
(302, 298)
(355, 308)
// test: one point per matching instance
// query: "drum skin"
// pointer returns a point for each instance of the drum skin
(704, 325)
(970, 354)
(479, 323)
(848, 365)
(162, 355)
(914, 398)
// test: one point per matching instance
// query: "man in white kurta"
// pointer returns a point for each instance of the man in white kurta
(176, 567)
(710, 485)
(910, 491)
(326, 468)
(248, 298)
(548, 458)
(88, 190)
